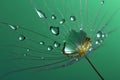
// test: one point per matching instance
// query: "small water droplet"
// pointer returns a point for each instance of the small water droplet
(13, 27)
(90, 49)
(28, 50)
(54, 30)
(102, 2)
(42, 58)
(99, 34)
(42, 43)
(62, 21)
(22, 38)
(96, 42)
(25, 54)
(77, 59)
(56, 44)
(72, 18)
(53, 17)
(81, 28)
(40, 14)
(50, 48)
(103, 35)
(99, 41)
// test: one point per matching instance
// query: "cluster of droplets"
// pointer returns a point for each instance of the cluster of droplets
(100, 37)
(27, 52)
(54, 30)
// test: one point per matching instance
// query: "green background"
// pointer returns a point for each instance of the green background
(21, 12)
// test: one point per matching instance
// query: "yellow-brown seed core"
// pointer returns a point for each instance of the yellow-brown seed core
(85, 47)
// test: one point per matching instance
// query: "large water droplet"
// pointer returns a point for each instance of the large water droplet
(53, 17)
(62, 21)
(72, 18)
(42, 43)
(22, 38)
(50, 48)
(40, 14)
(56, 44)
(13, 27)
(54, 30)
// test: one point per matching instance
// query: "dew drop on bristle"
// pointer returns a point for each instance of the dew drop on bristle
(42, 58)
(72, 18)
(99, 34)
(81, 28)
(62, 21)
(98, 42)
(24, 54)
(54, 30)
(49, 48)
(102, 2)
(40, 14)
(53, 17)
(56, 44)
(42, 43)
(22, 38)
(13, 27)
(28, 50)
(90, 49)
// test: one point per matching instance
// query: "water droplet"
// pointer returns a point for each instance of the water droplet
(54, 30)
(53, 17)
(72, 18)
(13, 27)
(90, 49)
(50, 48)
(42, 58)
(40, 14)
(96, 42)
(102, 2)
(56, 44)
(99, 34)
(42, 43)
(99, 41)
(62, 21)
(81, 28)
(22, 38)
(104, 35)
(28, 50)
(24, 54)
(77, 59)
